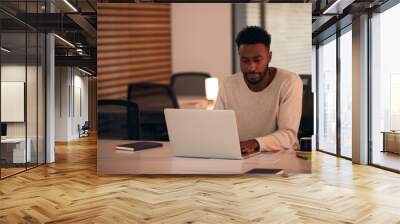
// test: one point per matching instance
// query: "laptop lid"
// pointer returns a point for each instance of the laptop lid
(203, 133)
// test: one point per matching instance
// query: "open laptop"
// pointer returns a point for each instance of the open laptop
(204, 133)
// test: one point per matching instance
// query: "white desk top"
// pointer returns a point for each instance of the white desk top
(193, 102)
(13, 140)
(161, 161)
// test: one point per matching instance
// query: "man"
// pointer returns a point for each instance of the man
(267, 100)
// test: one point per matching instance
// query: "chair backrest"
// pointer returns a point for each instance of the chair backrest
(117, 119)
(86, 125)
(152, 97)
(189, 83)
(306, 128)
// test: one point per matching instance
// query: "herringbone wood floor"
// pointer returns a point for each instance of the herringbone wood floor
(69, 191)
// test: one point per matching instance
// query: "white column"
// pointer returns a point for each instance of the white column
(50, 99)
(360, 90)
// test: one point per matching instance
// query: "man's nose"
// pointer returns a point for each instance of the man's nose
(251, 67)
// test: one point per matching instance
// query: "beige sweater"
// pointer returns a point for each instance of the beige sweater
(271, 116)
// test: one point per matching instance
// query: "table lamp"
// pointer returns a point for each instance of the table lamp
(212, 88)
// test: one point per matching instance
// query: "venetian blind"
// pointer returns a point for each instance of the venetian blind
(290, 27)
(134, 45)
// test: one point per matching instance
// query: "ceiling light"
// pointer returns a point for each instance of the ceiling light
(65, 41)
(5, 50)
(84, 71)
(70, 5)
(338, 6)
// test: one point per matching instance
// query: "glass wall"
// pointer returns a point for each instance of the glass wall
(385, 88)
(327, 96)
(346, 93)
(22, 89)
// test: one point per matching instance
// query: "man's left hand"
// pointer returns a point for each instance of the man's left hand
(249, 146)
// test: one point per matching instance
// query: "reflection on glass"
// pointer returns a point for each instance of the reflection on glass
(385, 84)
(13, 84)
(327, 97)
(346, 94)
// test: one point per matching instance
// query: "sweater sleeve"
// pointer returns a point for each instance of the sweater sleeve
(289, 114)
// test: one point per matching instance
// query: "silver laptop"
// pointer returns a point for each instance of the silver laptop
(204, 133)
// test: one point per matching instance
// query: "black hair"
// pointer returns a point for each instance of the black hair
(253, 35)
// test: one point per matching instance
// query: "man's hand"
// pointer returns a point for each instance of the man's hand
(249, 146)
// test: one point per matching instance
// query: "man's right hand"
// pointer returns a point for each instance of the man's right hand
(249, 146)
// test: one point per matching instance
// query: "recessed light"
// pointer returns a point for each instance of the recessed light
(64, 40)
(5, 50)
(70, 5)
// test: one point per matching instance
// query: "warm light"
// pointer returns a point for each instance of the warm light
(5, 50)
(212, 88)
(71, 6)
(337, 7)
(65, 41)
(84, 71)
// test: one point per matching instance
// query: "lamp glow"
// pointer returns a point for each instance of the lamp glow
(212, 88)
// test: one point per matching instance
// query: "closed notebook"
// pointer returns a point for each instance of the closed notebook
(137, 146)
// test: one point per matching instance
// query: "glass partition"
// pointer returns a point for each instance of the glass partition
(13, 87)
(346, 93)
(385, 89)
(327, 96)
(22, 89)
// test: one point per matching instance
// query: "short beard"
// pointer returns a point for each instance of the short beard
(262, 76)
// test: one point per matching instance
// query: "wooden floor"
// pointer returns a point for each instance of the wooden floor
(69, 191)
(387, 159)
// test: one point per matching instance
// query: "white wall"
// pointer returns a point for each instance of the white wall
(62, 81)
(290, 27)
(67, 115)
(201, 38)
(17, 73)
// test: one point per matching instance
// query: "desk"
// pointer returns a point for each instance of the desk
(16, 147)
(161, 161)
(391, 141)
(193, 102)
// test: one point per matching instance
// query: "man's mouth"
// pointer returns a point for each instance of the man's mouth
(253, 76)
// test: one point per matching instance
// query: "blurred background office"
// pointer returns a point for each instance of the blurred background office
(160, 55)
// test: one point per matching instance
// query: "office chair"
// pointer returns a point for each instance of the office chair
(84, 129)
(117, 119)
(152, 99)
(306, 128)
(189, 83)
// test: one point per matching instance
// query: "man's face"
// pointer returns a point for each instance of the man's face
(254, 59)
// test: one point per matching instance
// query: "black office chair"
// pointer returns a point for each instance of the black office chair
(152, 99)
(117, 119)
(84, 129)
(189, 83)
(306, 128)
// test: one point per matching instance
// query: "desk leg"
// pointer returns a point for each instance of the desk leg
(384, 142)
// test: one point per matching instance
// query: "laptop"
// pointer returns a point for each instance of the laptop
(204, 133)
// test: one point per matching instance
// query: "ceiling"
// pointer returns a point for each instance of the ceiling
(76, 24)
